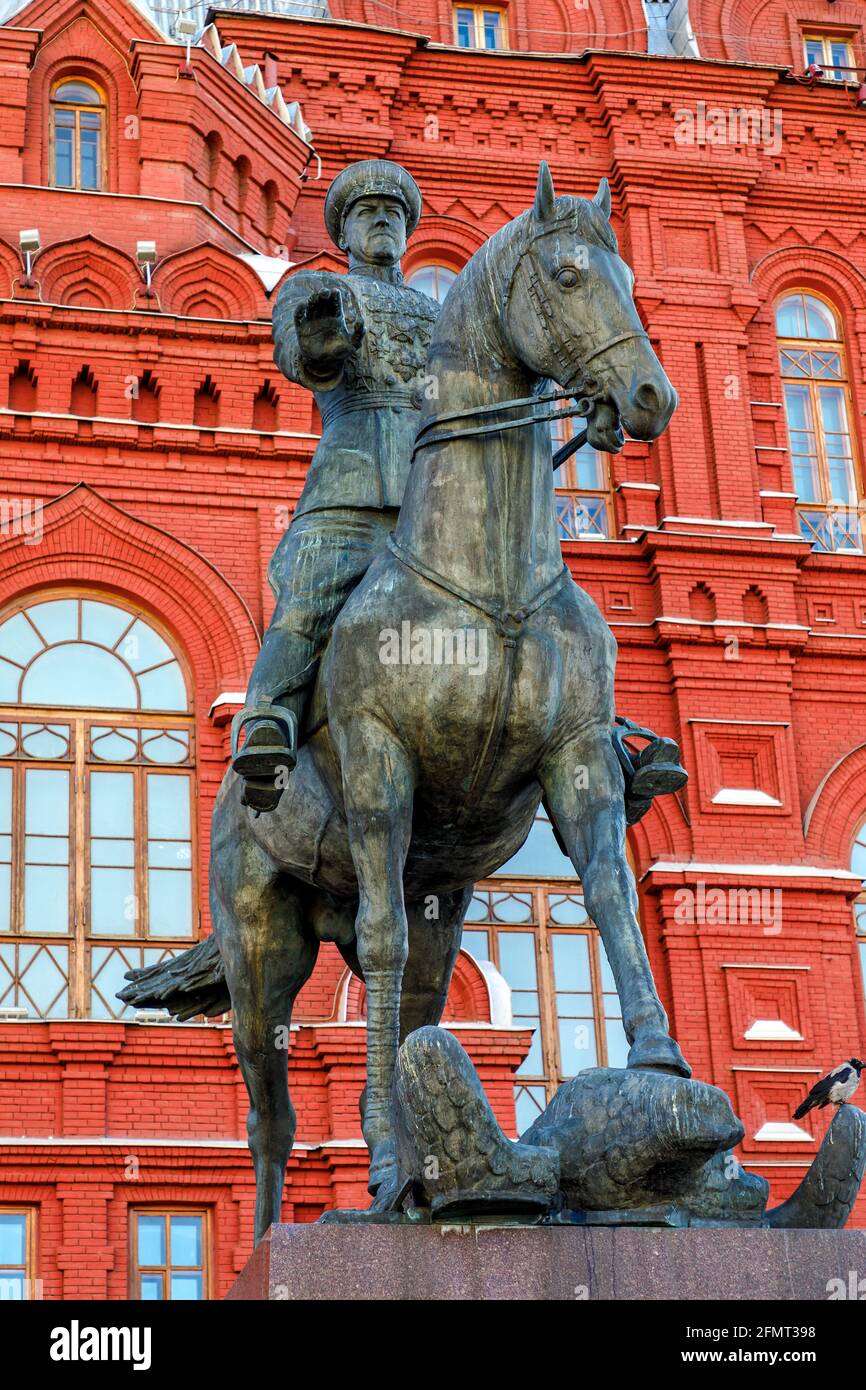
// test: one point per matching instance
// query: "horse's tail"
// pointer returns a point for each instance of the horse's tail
(191, 983)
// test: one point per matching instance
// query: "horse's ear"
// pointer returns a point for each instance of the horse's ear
(544, 194)
(602, 198)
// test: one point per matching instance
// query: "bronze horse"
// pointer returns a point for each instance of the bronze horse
(418, 778)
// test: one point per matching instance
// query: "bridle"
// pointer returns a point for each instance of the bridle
(572, 370)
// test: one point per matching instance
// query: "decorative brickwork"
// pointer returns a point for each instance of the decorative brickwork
(163, 453)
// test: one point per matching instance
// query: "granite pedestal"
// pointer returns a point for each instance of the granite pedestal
(323, 1262)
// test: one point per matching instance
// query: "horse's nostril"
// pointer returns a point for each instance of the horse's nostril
(648, 397)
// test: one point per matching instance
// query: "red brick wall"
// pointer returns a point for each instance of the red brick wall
(183, 519)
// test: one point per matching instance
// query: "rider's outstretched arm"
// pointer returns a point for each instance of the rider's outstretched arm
(317, 327)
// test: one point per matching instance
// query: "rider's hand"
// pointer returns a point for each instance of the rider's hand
(325, 336)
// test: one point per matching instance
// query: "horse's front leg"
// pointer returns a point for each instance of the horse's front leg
(378, 789)
(583, 785)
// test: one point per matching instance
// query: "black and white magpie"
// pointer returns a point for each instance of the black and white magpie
(837, 1087)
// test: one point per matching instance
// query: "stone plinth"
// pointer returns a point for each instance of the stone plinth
(501, 1262)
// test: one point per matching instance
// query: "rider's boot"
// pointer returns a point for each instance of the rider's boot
(653, 771)
(268, 755)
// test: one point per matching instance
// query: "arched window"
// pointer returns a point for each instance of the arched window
(583, 502)
(96, 804)
(78, 145)
(818, 412)
(531, 923)
(858, 866)
(434, 280)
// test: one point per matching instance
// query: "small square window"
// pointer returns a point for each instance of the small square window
(834, 55)
(170, 1256)
(480, 26)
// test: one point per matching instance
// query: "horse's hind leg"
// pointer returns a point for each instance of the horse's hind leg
(435, 929)
(258, 917)
(583, 784)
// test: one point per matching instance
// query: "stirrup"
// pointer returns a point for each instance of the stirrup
(260, 795)
(277, 714)
(655, 770)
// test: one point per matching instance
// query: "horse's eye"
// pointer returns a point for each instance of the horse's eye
(568, 277)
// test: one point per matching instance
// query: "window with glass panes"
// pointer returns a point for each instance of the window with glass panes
(96, 805)
(16, 1253)
(818, 410)
(583, 501)
(77, 135)
(434, 280)
(530, 922)
(479, 26)
(170, 1256)
(832, 53)
(858, 866)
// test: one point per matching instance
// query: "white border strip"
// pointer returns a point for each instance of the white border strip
(665, 866)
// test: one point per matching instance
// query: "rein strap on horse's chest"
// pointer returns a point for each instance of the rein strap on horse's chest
(508, 625)
(508, 621)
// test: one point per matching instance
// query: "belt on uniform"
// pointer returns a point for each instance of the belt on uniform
(369, 400)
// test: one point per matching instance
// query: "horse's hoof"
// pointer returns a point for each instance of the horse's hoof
(657, 1052)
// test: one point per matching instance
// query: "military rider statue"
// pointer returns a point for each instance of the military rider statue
(359, 343)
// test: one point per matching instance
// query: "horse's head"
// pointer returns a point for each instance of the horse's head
(569, 315)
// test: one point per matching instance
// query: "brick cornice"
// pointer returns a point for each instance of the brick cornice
(182, 105)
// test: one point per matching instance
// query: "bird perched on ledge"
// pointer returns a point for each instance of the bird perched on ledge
(836, 1088)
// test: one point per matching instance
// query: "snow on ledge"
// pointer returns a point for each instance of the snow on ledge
(744, 796)
(772, 1030)
(782, 1132)
(669, 866)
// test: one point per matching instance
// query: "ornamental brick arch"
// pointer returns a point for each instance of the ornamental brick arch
(86, 51)
(810, 267)
(469, 995)
(551, 26)
(766, 31)
(442, 241)
(88, 273)
(207, 282)
(538, 26)
(10, 270)
(89, 543)
(663, 833)
(836, 811)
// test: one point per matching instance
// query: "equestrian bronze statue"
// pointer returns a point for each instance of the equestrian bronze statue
(359, 343)
(466, 677)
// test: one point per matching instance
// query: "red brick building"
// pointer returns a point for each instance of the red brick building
(150, 455)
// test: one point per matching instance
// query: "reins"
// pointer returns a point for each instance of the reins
(583, 407)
